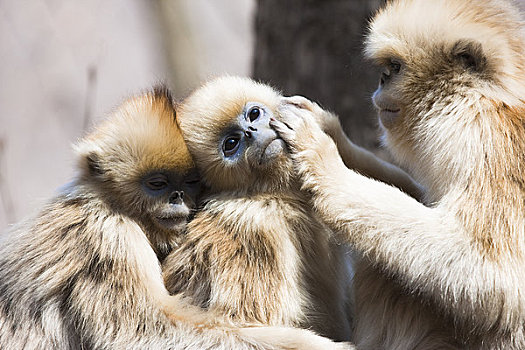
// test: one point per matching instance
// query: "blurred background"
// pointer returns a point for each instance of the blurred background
(66, 64)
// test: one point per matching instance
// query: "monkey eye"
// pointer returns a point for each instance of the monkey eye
(193, 181)
(157, 182)
(254, 113)
(231, 145)
(394, 66)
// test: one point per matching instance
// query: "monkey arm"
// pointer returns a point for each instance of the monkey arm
(427, 250)
(186, 326)
(355, 157)
(366, 163)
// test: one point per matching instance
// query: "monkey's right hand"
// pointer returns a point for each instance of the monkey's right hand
(328, 121)
(287, 338)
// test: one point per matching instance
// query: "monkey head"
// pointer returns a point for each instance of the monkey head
(448, 68)
(226, 125)
(140, 165)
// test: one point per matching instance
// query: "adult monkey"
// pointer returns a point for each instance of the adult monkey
(450, 101)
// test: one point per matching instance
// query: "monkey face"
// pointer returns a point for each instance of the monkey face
(444, 77)
(226, 126)
(169, 197)
(249, 138)
(139, 164)
(387, 98)
(163, 198)
(250, 150)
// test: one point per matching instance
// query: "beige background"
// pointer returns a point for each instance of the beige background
(65, 64)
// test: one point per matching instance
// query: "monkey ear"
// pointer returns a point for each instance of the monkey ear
(470, 55)
(89, 158)
(94, 165)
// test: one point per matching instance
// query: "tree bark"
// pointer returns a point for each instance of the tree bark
(314, 48)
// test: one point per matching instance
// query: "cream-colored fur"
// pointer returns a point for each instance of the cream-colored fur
(450, 274)
(355, 157)
(84, 273)
(256, 251)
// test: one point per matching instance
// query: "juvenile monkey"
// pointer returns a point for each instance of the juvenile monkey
(450, 101)
(84, 274)
(256, 251)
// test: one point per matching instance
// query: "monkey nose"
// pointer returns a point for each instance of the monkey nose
(249, 132)
(176, 197)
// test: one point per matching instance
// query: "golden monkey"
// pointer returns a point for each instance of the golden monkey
(256, 251)
(84, 274)
(450, 102)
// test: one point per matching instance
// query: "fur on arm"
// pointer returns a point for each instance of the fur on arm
(402, 236)
(358, 158)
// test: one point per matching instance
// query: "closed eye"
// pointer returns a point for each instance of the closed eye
(156, 183)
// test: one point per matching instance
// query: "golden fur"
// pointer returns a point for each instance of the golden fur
(450, 274)
(84, 274)
(256, 251)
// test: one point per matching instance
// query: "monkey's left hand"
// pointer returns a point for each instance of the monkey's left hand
(311, 148)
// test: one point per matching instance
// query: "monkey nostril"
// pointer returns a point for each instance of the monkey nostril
(249, 132)
(176, 197)
(384, 78)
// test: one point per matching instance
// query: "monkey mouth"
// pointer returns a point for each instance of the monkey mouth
(172, 222)
(388, 116)
(271, 149)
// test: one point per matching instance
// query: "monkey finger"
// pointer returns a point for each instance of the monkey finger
(304, 103)
(285, 131)
(299, 102)
(292, 116)
(299, 120)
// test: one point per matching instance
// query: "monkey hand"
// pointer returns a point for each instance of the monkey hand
(312, 150)
(328, 122)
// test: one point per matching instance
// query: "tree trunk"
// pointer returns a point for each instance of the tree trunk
(314, 48)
